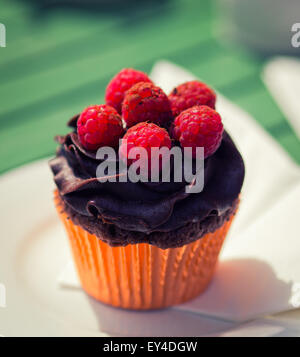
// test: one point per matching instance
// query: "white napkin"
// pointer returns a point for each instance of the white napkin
(259, 268)
(282, 77)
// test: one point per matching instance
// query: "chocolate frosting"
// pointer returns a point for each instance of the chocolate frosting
(145, 208)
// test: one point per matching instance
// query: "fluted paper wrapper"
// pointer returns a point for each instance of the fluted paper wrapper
(143, 276)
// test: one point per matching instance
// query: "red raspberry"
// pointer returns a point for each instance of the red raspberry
(145, 135)
(99, 125)
(190, 94)
(146, 102)
(117, 87)
(199, 126)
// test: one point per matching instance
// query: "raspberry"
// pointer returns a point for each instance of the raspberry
(99, 125)
(146, 102)
(190, 94)
(145, 135)
(117, 87)
(199, 126)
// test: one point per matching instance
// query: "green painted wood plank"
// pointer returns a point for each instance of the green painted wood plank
(28, 35)
(11, 9)
(32, 140)
(32, 38)
(38, 36)
(72, 46)
(55, 81)
(224, 69)
(38, 24)
(291, 144)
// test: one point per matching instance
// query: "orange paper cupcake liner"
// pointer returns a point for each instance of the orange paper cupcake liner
(142, 276)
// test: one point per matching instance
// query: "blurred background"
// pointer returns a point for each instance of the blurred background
(60, 55)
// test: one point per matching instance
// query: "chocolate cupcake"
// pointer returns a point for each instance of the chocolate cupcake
(145, 245)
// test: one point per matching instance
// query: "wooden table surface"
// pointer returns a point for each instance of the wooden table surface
(59, 59)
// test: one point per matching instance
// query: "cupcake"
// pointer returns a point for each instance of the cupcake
(146, 244)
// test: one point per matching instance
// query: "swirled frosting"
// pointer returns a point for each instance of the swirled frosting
(145, 209)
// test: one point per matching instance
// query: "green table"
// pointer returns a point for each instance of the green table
(59, 59)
